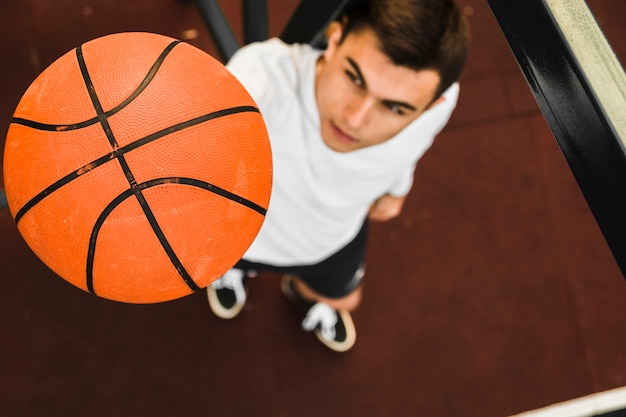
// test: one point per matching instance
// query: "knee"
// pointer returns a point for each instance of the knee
(348, 302)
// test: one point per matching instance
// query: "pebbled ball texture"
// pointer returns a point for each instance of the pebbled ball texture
(137, 168)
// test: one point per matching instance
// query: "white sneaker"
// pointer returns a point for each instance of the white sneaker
(227, 295)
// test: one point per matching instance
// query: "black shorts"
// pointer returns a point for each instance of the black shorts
(334, 277)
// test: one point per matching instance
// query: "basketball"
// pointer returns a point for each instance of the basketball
(137, 168)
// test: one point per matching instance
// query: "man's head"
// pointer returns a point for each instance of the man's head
(376, 77)
(417, 34)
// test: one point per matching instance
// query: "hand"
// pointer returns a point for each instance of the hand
(386, 207)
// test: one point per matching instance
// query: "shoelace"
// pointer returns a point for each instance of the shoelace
(232, 280)
(325, 316)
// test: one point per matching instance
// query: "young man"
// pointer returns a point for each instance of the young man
(347, 126)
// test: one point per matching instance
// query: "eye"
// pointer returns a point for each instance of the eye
(354, 78)
(395, 108)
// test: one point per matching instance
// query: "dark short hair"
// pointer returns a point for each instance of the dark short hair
(418, 34)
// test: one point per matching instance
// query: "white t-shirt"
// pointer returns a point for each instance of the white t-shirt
(320, 197)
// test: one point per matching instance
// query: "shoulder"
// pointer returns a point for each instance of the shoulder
(272, 54)
(271, 67)
(268, 48)
(274, 48)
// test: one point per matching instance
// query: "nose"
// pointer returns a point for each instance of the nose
(358, 112)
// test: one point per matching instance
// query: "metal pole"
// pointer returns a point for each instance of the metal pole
(565, 86)
(310, 19)
(3, 200)
(219, 27)
(255, 20)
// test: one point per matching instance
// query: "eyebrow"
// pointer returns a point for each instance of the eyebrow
(357, 70)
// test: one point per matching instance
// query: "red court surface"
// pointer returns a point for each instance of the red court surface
(494, 293)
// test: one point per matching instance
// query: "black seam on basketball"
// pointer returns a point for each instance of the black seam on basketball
(132, 146)
(91, 251)
(65, 127)
(167, 247)
(214, 189)
(151, 73)
(136, 191)
(52, 127)
(118, 154)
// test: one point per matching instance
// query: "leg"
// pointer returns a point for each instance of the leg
(328, 318)
(328, 291)
(348, 302)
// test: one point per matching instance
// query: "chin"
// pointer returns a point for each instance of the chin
(339, 144)
(341, 147)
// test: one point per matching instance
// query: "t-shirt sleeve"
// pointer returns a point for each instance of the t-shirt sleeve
(247, 66)
(438, 118)
(404, 183)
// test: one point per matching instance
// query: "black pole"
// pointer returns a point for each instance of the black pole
(575, 115)
(3, 200)
(256, 21)
(309, 20)
(223, 35)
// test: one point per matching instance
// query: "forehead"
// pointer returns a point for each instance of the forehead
(382, 77)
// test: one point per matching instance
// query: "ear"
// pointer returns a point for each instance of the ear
(441, 99)
(333, 34)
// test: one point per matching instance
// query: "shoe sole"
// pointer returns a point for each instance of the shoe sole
(285, 287)
(218, 310)
(350, 334)
(288, 292)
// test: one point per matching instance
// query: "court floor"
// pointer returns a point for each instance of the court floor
(493, 294)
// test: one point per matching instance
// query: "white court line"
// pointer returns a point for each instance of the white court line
(591, 405)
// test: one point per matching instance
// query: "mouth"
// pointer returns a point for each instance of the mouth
(341, 135)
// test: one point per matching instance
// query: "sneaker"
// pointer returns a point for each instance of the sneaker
(334, 328)
(227, 295)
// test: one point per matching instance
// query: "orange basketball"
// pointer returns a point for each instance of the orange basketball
(137, 168)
